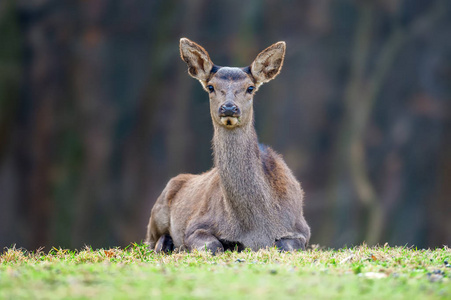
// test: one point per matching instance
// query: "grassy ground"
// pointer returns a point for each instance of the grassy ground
(135, 272)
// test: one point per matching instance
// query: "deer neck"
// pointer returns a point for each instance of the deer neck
(237, 158)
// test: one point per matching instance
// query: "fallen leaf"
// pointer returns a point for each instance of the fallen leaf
(110, 253)
(347, 259)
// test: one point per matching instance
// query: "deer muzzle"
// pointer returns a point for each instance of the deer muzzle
(229, 114)
(229, 110)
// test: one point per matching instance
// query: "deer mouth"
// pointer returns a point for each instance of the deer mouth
(229, 121)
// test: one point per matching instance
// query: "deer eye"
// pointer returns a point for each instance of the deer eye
(250, 89)
(210, 88)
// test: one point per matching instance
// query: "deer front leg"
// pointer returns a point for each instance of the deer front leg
(203, 240)
(289, 244)
(164, 244)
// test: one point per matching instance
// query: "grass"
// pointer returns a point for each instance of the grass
(137, 273)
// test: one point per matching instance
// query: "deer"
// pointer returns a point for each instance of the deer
(250, 198)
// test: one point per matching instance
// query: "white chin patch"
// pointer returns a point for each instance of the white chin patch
(229, 121)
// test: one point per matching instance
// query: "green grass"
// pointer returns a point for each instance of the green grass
(137, 273)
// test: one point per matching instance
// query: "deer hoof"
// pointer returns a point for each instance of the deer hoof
(212, 247)
(285, 245)
(164, 244)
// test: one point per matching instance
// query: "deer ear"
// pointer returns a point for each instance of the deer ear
(197, 59)
(268, 63)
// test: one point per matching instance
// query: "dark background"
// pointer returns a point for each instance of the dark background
(96, 113)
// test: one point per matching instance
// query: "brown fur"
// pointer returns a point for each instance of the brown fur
(275, 173)
(176, 185)
(250, 198)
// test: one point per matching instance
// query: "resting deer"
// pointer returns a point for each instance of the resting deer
(250, 198)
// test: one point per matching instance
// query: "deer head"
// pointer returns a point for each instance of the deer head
(231, 90)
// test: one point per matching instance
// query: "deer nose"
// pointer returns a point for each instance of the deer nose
(229, 110)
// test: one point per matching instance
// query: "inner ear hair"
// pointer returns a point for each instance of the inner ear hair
(268, 63)
(197, 59)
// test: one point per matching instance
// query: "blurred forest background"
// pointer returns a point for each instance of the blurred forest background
(94, 116)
